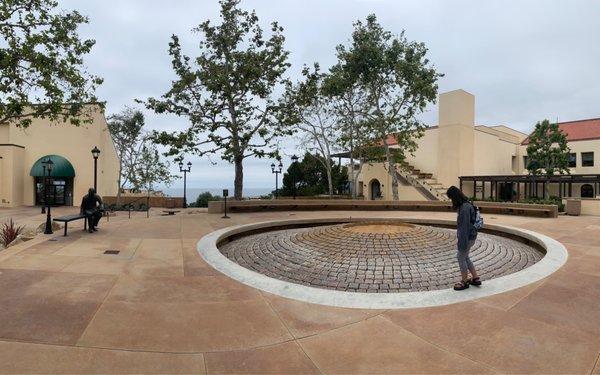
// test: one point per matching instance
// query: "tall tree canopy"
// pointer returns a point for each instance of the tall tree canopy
(310, 177)
(318, 120)
(227, 91)
(41, 63)
(127, 131)
(399, 82)
(547, 151)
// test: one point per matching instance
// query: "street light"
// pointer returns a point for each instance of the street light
(44, 186)
(49, 165)
(95, 154)
(276, 172)
(185, 172)
(294, 161)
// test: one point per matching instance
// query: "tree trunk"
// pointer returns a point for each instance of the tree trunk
(119, 189)
(239, 178)
(392, 170)
(354, 187)
(329, 177)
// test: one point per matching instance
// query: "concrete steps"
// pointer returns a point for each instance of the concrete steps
(422, 181)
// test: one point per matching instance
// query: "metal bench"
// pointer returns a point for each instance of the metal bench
(68, 218)
(170, 212)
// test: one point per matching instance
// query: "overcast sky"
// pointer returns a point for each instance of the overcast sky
(523, 60)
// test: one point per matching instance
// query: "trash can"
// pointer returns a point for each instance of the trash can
(573, 207)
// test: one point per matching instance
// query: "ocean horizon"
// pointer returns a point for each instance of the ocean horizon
(192, 193)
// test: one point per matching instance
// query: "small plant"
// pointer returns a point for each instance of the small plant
(9, 232)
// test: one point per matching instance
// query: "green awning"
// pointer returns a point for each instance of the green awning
(61, 167)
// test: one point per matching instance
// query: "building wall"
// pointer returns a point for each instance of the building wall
(43, 138)
(492, 155)
(456, 136)
(378, 171)
(426, 156)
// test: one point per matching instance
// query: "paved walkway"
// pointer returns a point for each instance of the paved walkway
(65, 306)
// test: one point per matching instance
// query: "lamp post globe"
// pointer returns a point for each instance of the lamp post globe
(185, 171)
(276, 172)
(95, 154)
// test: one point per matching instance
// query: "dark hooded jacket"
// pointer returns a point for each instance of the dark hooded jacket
(465, 231)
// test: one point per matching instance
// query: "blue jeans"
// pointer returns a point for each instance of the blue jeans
(464, 262)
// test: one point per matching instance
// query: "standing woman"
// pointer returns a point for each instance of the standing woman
(466, 234)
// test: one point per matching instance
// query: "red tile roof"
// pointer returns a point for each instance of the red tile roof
(578, 130)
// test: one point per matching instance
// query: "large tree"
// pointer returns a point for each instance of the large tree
(151, 169)
(309, 177)
(318, 120)
(348, 99)
(41, 63)
(399, 83)
(127, 131)
(547, 151)
(227, 91)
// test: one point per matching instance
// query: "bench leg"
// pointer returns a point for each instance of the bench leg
(84, 224)
(66, 224)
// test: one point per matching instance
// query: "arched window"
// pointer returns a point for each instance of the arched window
(587, 191)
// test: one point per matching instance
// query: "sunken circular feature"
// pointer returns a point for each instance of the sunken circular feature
(374, 257)
(379, 227)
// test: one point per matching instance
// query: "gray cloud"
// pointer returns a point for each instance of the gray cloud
(523, 60)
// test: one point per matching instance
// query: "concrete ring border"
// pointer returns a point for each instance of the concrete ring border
(556, 256)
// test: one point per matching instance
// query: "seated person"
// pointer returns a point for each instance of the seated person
(91, 206)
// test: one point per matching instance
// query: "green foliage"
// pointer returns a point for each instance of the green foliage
(150, 169)
(203, 199)
(552, 200)
(317, 117)
(227, 91)
(126, 129)
(532, 200)
(398, 82)
(9, 232)
(547, 151)
(41, 64)
(310, 176)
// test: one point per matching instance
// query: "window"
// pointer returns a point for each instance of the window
(572, 160)
(587, 191)
(525, 161)
(587, 159)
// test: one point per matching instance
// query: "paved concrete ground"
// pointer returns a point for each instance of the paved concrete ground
(65, 306)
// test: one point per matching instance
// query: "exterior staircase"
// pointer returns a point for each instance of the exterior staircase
(422, 181)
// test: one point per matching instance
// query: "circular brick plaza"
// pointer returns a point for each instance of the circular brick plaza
(374, 257)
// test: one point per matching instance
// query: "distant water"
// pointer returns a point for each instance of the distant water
(192, 193)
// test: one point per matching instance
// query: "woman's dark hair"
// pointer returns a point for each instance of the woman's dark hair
(457, 197)
(91, 192)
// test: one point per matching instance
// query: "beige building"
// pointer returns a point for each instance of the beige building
(22, 151)
(491, 159)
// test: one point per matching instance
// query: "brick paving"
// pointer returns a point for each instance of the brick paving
(347, 257)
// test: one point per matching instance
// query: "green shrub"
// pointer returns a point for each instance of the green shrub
(204, 198)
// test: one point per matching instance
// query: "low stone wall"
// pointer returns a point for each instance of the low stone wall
(590, 206)
(535, 210)
(166, 202)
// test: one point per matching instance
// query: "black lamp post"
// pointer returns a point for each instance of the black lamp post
(44, 186)
(185, 172)
(276, 172)
(95, 154)
(294, 161)
(49, 165)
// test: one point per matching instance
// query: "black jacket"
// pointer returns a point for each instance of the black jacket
(465, 230)
(90, 204)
